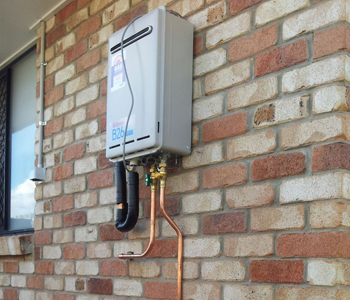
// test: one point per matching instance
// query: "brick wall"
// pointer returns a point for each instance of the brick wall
(263, 198)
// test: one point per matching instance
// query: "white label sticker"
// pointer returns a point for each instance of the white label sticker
(118, 128)
(117, 72)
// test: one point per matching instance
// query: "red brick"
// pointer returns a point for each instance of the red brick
(321, 244)
(63, 297)
(103, 162)
(62, 204)
(278, 166)
(48, 84)
(88, 61)
(44, 267)
(276, 271)
(75, 52)
(103, 124)
(74, 152)
(82, 3)
(110, 233)
(253, 44)
(198, 45)
(225, 127)
(100, 286)
(55, 34)
(97, 108)
(103, 87)
(281, 58)
(332, 40)
(126, 18)
(160, 290)
(144, 191)
(37, 253)
(100, 180)
(35, 282)
(171, 207)
(163, 249)
(42, 238)
(73, 252)
(331, 157)
(66, 12)
(88, 28)
(63, 172)
(54, 96)
(238, 5)
(76, 218)
(232, 174)
(53, 127)
(113, 268)
(11, 267)
(224, 223)
(10, 294)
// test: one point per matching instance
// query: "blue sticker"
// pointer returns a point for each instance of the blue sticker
(118, 128)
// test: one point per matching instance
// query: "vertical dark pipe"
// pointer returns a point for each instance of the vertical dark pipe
(120, 183)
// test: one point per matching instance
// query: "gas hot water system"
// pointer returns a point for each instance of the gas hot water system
(149, 111)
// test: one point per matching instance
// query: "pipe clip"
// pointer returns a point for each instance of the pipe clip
(44, 63)
(42, 123)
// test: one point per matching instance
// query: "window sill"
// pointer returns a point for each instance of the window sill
(16, 245)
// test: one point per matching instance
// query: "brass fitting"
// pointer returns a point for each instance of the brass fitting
(162, 166)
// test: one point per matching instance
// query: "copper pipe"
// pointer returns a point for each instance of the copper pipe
(153, 225)
(179, 237)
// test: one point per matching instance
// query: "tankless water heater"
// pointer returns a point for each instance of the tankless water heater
(158, 53)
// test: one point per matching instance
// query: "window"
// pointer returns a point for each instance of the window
(17, 127)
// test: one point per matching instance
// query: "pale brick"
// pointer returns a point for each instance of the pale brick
(202, 156)
(319, 130)
(96, 144)
(228, 77)
(97, 5)
(275, 9)
(100, 37)
(320, 187)
(107, 196)
(85, 165)
(190, 270)
(63, 139)
(18, 281)
(88, 95)
(209, 62)
(251, 145)
(43, 207)
(114, 11)
(52, 190)
(64, 106)
(52, 159)
(195, 136)
(52, 252)
(147, 269)
(223, 270)
(330, 98)
(142, 230)
(247, 246)
(63, 236)
(27, 267)
(75, 117)
(328, 13)
(185, 182)
(202, 202)
(75, 185)
(188, 226)
(65, 43)
(152, 4)
(99, 215)
(86, 200)
(44, 296)
(186, 7)
(53, 221)
(308, 293)
(330, 215)
(50, 24)
(54, 65)
(27, 294)
(248, 292)
(252, 93)
(123, 287)
(125, 247)
(82, 297)
(77, 84)
(86, 130)
(102, 250)
(207, 108)
(87, 267)
(201, 291)
(77, 18)
(53, 283)
(5, 280)
(328, 273)
(277, 218)
(71, 284)
(98, 73)
(210, 16)
(318, 73)
(64, 268)
(202, 247)
(86, 234)
(197, 89)
(65, 74)
(38, 223)
(48, 114)
(228, 30)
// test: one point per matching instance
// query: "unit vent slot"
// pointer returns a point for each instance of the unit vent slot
(143, 138)
(115, 146)
(129, 142)
(132, 39)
